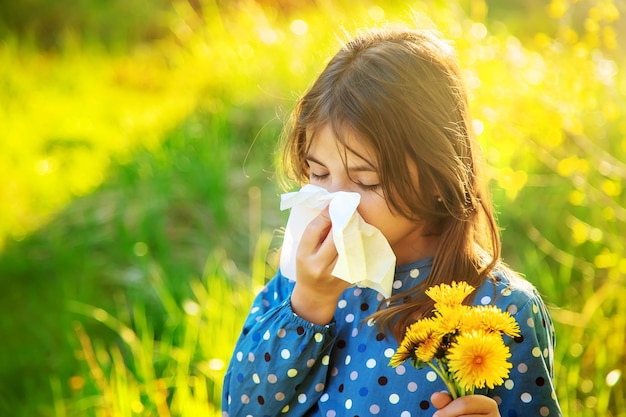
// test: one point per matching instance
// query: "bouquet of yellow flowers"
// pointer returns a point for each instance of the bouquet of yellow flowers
(462, 344)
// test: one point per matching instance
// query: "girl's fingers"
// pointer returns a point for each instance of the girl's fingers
(440, 399)
(468, 406)
(316, 232)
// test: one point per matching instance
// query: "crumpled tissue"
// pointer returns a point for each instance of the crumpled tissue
(364, 255)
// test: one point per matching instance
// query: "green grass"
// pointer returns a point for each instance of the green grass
(142, 200)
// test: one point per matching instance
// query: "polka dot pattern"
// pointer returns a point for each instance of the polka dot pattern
(284, 365)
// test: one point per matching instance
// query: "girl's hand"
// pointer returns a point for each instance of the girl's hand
(315, 295)
(468, 406)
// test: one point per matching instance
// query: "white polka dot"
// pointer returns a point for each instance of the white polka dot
(348, 360)
(536, 352)
(266, 335)
(400, 370)
(348, 404)
(245, 399)
(355, 332)
(397, 284)
(380, 297)
(431, 376)
(349, 318)
(251, 357)
(414, 273)
(255, 309)
(319, 387)
(271, 378)
(302, 398)
(354, 375)
(394, 398)
(281, 333)
(325, 360)
(318, 337)
(405, 414)
(292, 373)
(544, 411)
(371, 322)
(530, 322)
(506, 292)
(535, 309)
(256, 379)
(389, 352)
(285, 354)
(526, 397)
(342, 304)
(522, 368)
(239, 356)
(371, 363)
(324, 398)
(545, 352)
(374, 409)
(412, 387)
(485, 300)
(357, 292)
(509, 384)
(310, 363)
(331, 413)
(512, 309)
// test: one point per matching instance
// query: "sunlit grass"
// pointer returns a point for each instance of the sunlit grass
(183, 113)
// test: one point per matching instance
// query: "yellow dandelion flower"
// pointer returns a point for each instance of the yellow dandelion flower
(426, 351)
(449, 294)
(419, 339)
(491, 319)
(420, 331)
(401, 355)
(450, 319)
(478, 359)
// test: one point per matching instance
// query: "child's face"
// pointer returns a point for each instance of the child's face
(328, 160)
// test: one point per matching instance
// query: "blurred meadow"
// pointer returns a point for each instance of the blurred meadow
(139, 204)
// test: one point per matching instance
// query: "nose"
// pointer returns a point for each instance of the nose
(340, 184)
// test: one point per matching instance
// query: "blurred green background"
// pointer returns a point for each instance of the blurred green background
(139, 207)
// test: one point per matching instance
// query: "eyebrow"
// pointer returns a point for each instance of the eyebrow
(367, 167)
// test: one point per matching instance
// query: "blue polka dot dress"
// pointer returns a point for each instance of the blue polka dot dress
(285, 365)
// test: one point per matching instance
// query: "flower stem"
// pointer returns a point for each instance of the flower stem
(440, 370)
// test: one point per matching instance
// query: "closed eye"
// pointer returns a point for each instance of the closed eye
(317, 177)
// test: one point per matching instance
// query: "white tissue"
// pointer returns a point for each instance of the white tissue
(364, 255)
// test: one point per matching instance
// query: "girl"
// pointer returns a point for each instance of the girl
(388, 119)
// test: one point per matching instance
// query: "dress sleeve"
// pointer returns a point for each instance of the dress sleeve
(280, 361)
(529, 391)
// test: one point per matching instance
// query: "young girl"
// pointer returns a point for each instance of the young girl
(388, 119)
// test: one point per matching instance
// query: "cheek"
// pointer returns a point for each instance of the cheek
(374, 211)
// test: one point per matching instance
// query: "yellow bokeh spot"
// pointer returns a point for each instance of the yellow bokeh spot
(512, 182)
(577, 197)
(591, 25)
(580, 233)
(609, 37)
(611, 188)
(611, 111)
(569, 36)
(609, 11)
(554, 138)
(77, 382)
(557, 8)
(542, 40)
(606, 259)
(608, 213)
(568, 166)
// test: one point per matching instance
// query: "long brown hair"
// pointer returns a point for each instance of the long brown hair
(401, 92)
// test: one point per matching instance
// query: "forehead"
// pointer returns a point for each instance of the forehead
(344, 139)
